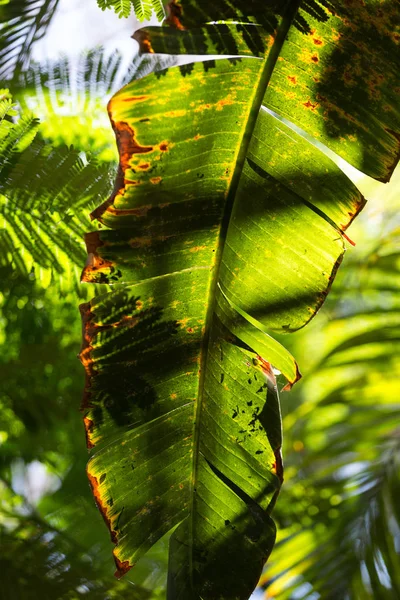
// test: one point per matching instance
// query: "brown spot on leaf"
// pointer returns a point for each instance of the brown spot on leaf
(267, 369)
(202, 107)
(277, 466)
(89, 332)
(89, 425)
(140, 211)
(122, 567)
(155, 180)
(183, 322)
(143, 39)
(346, 237)
(317, 41)
(94, 484)
(135, 99)
(95, 264)
(224, 102)
(127, 143)
(85, 352)
(331, 279)
(164, 146)
(315, 58)
(292, 79)
(290, 384)
(347, 77)
(140, 242)
(172, 114)
(310, 105)
(174, 15)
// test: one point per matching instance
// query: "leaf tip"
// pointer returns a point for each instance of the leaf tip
(123, 566)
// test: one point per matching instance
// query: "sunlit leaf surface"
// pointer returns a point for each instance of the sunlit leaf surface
(224, 224)
(343, 444)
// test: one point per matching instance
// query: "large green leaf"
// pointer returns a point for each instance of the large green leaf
(345, 438)
(336, 76)
(225, 224)
(340, 83)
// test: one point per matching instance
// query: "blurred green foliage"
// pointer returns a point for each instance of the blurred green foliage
(46, 506)
(53, 543)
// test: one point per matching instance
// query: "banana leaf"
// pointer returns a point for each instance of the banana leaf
(226, 225)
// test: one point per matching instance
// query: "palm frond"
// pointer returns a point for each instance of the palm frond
(47, 189)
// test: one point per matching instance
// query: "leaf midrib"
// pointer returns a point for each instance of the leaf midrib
(258, 96)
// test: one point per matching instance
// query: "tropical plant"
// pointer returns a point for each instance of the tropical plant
(354, 99)
(343, 446)
(68, 97)
(53, 544)
(45, 194)
(225, 223)
(143, 8)
(56, 568)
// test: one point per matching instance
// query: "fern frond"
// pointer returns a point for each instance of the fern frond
(121, 7)
(6, 105)
(143, 8)
(159, 10)
(348, 545)
(44, 193)
(10, 252)
(23, 23)
(70, 97)
(14, 137)
(51, 562)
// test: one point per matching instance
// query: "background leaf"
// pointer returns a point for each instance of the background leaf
(22, 23)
